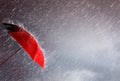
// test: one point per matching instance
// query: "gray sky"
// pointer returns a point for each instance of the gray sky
(80, 39)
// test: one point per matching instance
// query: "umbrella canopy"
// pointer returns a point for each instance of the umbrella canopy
(27, 41)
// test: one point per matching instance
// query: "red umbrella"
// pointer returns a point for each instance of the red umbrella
(27, 42)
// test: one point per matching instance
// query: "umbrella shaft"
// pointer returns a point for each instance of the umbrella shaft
(1, 63)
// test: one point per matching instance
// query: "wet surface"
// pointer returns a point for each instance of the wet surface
(80, 39)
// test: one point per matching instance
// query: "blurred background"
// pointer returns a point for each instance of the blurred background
(80, 39)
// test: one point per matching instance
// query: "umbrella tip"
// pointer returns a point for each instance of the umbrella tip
(9, 26)
(6, 23)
